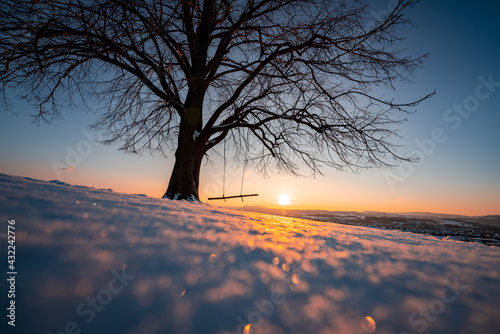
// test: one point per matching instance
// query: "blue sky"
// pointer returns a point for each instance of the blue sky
(462, 175)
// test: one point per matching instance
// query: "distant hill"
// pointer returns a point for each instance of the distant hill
(489, 219)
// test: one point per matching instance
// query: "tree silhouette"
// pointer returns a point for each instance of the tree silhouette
(284, 81)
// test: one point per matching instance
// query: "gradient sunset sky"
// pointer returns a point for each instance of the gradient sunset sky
(455, 133)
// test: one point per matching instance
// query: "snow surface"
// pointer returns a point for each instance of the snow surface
(195, 268)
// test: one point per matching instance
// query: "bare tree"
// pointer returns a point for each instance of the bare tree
(286, 81)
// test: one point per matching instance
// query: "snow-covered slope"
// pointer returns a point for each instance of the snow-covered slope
(94, 261)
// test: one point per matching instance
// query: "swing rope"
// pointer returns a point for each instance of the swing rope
(224, 197)
(243, 178)
(224, 174)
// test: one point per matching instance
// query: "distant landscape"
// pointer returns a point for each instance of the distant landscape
(483, 229)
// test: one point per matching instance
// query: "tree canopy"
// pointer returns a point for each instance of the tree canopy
(285, 82)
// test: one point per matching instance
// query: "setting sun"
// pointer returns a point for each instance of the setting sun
(284, 200)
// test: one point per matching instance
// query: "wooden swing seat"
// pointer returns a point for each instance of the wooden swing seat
(229, 197)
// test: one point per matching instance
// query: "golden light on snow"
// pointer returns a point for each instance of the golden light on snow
(368, 324)
(284, 200)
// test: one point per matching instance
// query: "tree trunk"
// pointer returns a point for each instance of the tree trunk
(184, 181)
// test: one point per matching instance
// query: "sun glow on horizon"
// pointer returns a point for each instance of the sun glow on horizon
(284, 200)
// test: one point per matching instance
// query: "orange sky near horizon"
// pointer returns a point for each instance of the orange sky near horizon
(307, 194)
(353, 192)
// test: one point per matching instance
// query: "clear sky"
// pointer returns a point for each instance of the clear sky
(455, 133)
